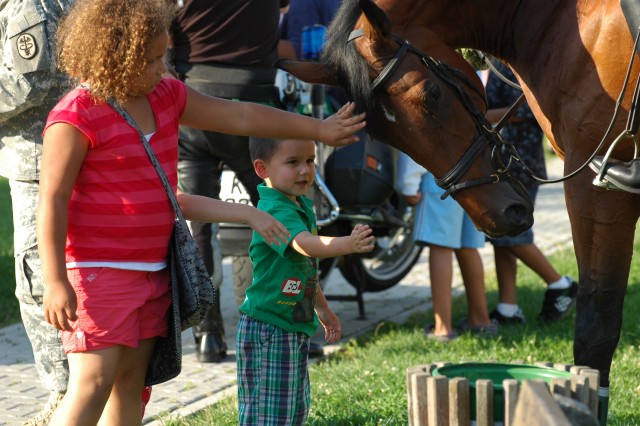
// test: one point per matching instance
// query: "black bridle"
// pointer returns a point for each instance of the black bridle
(488, 136)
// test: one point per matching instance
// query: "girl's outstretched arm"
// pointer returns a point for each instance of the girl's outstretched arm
(63, 152)
(205, 209)
(251, 119)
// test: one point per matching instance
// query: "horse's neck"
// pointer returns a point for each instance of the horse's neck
(558, 48)
(489, 25)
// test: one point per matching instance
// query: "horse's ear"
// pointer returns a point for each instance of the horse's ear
(377, 19)
(376, 26)
(310, 72)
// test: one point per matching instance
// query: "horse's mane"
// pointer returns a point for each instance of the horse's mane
(352, 69)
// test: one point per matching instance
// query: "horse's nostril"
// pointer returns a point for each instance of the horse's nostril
(520, 217)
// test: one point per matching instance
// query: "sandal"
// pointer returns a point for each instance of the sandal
(490, 330)
(442, 338)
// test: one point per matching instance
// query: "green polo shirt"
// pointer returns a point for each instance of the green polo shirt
(285, 282)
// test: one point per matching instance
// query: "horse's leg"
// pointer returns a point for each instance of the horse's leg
(603, 224)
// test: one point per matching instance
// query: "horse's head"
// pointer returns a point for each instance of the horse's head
(430, 106)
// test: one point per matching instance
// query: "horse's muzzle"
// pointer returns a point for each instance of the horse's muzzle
(503, 208)
(519, 217)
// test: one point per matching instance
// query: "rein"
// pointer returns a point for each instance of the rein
(488, 136)
(630, 132)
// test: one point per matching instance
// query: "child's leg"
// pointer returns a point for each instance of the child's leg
(441, 274)
(124, 405)
(91, 377)
(273, 379)
(531, 256)
(117, 309)
(506, 270)
(473, 278)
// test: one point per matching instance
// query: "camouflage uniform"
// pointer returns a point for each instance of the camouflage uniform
(30, 86)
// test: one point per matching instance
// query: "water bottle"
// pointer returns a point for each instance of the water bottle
(312, 41)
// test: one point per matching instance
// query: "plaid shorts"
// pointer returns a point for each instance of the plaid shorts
(273, 376)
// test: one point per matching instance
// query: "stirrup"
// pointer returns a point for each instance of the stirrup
(614, 174)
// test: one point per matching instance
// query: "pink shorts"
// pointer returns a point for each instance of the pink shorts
(117, 307)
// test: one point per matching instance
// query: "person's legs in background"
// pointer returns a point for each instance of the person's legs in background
(472, 272)
(51, 362)
(199, 173)
(447, 229)
(561, 291)
(441, 276)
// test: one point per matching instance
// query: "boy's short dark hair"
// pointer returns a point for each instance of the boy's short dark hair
(263, 149)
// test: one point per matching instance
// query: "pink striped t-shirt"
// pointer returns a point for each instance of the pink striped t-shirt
(119, 210)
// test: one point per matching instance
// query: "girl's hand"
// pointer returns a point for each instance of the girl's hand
(60, 304)
(361, 240)
(269, 228)
(331, 325)
(340, 128)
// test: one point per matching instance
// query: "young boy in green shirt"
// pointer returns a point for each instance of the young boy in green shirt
(285, 303)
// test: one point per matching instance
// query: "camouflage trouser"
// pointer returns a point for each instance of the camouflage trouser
(51, 361)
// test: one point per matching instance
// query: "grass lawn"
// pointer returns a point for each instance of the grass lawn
(9, 311)
(364, 383)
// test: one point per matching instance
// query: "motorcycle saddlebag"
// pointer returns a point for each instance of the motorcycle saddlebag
(361, 175)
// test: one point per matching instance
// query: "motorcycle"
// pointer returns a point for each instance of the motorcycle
(354, 184)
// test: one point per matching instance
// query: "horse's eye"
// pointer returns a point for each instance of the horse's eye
(432, 93)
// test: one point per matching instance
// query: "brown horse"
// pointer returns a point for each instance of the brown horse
(569, 56)
(456, 113)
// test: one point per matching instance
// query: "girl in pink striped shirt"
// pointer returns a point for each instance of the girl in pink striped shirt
(104, 219)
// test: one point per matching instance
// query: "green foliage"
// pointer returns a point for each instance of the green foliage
(364, 383)
(475, 58)
(9, 311)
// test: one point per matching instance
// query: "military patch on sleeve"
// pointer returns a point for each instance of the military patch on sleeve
(26, 46)
(29, 51)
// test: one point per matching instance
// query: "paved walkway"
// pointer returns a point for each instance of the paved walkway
(201, 385)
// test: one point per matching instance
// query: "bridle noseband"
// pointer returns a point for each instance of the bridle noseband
(488, 136)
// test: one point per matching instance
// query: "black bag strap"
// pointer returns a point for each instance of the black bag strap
(152, 156)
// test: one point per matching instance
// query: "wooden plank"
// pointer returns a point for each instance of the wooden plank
(536, 406)
(510, 389)
(438, 401)
(580, 388)
(419, 397)
(420, 368)
(594, 385)
(459, 403)
(484, 402)
(561, 386)
(575, 369)
(562, 367)
(411, 396)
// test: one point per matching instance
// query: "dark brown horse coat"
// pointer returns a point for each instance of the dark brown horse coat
(570, 57)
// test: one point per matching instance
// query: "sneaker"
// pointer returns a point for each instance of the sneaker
(490, 330)
(44, 417)
(517, 318)
(558, 303)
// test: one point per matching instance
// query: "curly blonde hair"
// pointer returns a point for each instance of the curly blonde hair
(105, 42)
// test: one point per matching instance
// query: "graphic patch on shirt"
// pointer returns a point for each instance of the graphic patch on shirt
(26, 46)
(291, 287)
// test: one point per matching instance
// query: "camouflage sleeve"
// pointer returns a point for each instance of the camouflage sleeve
(27, 69)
